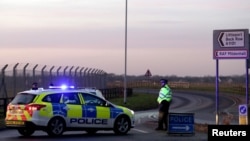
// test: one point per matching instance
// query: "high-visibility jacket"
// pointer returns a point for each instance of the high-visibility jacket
(165, 94)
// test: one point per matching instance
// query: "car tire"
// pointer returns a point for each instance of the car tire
(122, 125)
(56, 127)
(26, 131)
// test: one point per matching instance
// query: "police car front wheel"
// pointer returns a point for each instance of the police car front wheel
(122, 125)
(56, 127)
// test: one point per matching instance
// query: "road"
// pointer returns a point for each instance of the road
(201, 104)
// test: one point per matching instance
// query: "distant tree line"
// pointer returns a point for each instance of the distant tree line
(234, 79)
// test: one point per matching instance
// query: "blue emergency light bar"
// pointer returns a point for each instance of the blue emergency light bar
(61, 87)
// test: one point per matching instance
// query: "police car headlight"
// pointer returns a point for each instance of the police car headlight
(132, 112)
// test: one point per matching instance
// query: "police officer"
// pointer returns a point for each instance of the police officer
(34, 86)
(164, 99)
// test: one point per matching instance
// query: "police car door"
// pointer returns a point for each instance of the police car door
(96, 113)
(72, 108)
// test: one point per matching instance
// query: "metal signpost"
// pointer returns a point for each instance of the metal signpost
(230, 44)
(125, 71)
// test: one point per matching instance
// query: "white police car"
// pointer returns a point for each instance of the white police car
(58, 110)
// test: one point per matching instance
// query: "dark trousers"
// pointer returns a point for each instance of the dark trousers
(163, 114)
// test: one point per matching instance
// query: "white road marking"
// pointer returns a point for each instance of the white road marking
(138, 130)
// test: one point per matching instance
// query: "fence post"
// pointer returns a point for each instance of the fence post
(50, 73)
(70, 75)
(75, 77)
(85, 78)
(92, 77)
(81, 78)
(34, 74)
(43, 79)
(88, 77)
(57, 74)
(24, 75)
(14, 75)
(3, 81)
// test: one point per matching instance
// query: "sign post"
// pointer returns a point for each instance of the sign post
(230, 44)
(148, 75)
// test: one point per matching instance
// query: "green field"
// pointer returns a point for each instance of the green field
(138, 102)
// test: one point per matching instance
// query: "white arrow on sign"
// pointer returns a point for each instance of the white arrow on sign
(243, 109)
(182, 127)
(231, 39)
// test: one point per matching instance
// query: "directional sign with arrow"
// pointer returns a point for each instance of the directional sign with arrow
(231, 44)
(181, 123)
(231, 39)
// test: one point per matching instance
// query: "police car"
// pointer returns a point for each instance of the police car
(58, 110)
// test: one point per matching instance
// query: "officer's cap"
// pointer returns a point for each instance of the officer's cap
(164, 81)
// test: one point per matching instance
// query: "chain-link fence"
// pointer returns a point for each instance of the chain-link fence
(18, 77)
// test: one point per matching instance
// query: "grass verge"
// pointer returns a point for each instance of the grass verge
(141, 101)
(137, 102)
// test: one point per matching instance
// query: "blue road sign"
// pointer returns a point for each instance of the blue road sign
(243, 110)
(181, 123)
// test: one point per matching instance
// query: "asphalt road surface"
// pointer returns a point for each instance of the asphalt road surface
(203, 105)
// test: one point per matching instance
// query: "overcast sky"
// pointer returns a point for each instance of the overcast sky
(168, 37)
